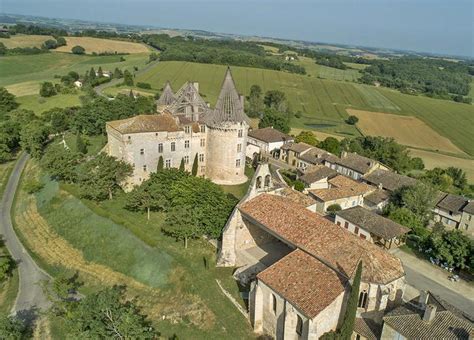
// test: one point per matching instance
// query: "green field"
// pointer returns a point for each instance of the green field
(40, 104)
(323, 101)
(21, 74)
(324, 72)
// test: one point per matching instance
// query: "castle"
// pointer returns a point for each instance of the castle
(185, 129)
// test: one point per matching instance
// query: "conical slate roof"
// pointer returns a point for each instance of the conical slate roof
(167, 97)
(229, 107)
(186, 96)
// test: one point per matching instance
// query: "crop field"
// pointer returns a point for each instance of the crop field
(406, 130)
(22, 40)
(22, 74)
(98, 45)
(324, 72)
(323, 102)
(471, 92)
(433, 159)
(40, 104)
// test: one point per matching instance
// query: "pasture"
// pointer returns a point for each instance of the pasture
(22, 40)
(406, 130)
(433, 159)
(40, 104)
(324, 72)
(323, 102)
(98, 45)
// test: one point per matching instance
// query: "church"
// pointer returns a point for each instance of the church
(186, 129)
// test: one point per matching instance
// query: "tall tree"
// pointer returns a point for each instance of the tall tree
(34, 137)
(194, 169)
(141, 198)
(256, 104)
(11, 327)
(181, 165)
(81, 145)
(180, 224)
(60, 163)
(127, 78)
(7, 101)
(160, 164)
(275, 119)
(307, 137)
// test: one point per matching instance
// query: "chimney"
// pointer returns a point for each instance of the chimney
(380, 186)
(344, 154)
(430, 313)
(196, 85)
(242, 99)
(423, 298)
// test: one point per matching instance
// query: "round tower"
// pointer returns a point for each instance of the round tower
(227, 129)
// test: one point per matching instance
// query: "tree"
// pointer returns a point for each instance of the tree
(458, 176)
(180, 224)
(81, 145)
(11, 327)
(331, 145)
(276, 99)
(452, 247)
(118, 73)
(59, 120)
(141, 198)
(298, 185)
(34, 136)
(61, 163)
(352, 120)
(78, 50)
(275, 119)
(60, 41)
(50, 44)
(47, 89)
(100, 73)
(7, 101)
(127, 78)
(92, 74)
(307, 137)
(100, 177)
(181, 165)
(333, 208)
(418, 198)
(405, 217)
(194, 169)
(160, 164)
(256, 104)
(6, 266)
(32, 185)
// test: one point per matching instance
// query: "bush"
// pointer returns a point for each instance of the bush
(333, 208)
(299, 186)
(352, 120)
(78, 50)
(31, 186)
(47, 89)
(143, 85)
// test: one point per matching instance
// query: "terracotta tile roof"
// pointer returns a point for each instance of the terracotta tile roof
(389, 180)
(452, 203)
(355, 162)
(323, 239)
(332, 194)
(376, 197)
(314, 156)
(316, 173)
(304, 281)
(296, 196)
(341, 181)
(270, 135)
(373, 223)
(297, 147)
(145, 123)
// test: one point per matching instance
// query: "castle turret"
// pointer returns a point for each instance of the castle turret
(167, 97)
(227, 136)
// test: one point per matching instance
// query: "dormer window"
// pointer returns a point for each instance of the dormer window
(187, 129)
(203, 128)
(241, 133)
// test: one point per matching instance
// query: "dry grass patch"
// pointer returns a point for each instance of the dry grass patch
(98, 45)
(319, 135)
(21, 40)
(406, 130)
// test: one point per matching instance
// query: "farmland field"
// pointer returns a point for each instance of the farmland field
(98, 45)
(323, 102)
(325, 72)
(433, 159)
(39, 104)
(22, 40)
(406, 130)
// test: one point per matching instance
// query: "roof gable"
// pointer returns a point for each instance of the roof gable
(145, 123)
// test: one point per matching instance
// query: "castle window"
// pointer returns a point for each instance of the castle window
(144, 168)
(346, 225)
(203, 142)
(160, 148)
(187, 129)
(201, 157)
(186, 159)
(186, 144)
(142, 151)
(356, 230)
(168, 163)
(173, 146)
(129, 137)
(237, 163)
(239, 147)
(274, 304)
(203, 128)
(241, 132)
(362, 299)
(299, 325)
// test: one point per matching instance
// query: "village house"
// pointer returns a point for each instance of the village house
(184, 129)
(372, 227)
(314, 156)
(291, 152)
(300, 267)
(388, 180)
(266, 142)
(455, 212)
(316, 176)
(426, 317)
(297, 197)
(343, 191)
(376, 200)
(78, 84)
(353, 165)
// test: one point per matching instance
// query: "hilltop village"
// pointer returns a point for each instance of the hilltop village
(297, 251)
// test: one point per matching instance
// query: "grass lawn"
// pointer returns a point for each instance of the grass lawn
(324, 72)
(8, 289)
(107, 235)
(94, 143)
(40, 104)
(323, 101)
(240, 190)
(5, 171)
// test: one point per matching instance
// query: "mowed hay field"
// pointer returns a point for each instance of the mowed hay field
(406, 130)
(98, 45)
(22, 40)
(433, 159)
(323, 102)
(321, 71)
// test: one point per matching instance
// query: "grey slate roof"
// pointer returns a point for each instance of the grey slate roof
(452, 203)
(167, 97)
(297, 147)
(229, 107)
(469, 208)
(314, 156)
(373, 223)
(317, 174)
(389, 180)
(355, 162)
(376, 197)
(270, 135)
(368, 328)
(186, 96)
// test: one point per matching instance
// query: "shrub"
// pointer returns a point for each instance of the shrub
(47, 89)
(143, 85)
(299, 186)
(31, 186)
(333, 208)
(352, 120)
(78, 50)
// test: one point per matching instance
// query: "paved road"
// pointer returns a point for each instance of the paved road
(30, 295)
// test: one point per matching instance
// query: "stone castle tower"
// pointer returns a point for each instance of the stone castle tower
(186, 128)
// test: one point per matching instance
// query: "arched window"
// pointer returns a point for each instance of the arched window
(259, 182)
(274, 304)
(362, 299)
(267, 180)
(299, 325)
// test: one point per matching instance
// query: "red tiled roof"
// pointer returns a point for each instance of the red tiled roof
(304, 281)
(325, 240)
(145, 123)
